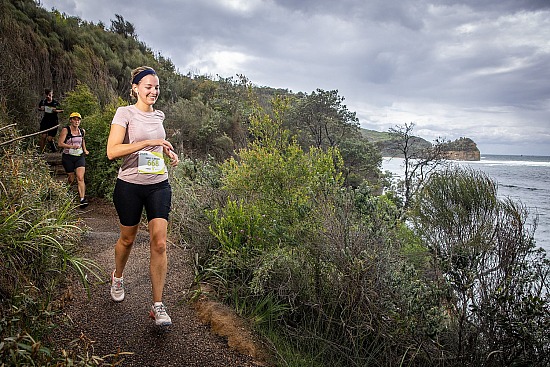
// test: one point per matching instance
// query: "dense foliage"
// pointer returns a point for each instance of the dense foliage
(39, 237)
(337, 274)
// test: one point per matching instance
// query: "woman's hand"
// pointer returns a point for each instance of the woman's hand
(174, 159)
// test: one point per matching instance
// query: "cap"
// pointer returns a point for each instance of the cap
(75, 114)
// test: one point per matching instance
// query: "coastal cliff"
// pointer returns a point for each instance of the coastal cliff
(463, 149)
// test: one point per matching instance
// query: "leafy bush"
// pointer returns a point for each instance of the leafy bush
(81, 100)
(482, 250)
(38, 251)
(324, 261)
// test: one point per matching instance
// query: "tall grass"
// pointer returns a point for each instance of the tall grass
(39, 237)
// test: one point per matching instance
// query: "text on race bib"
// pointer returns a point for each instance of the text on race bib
(150, 163)
(77, 151)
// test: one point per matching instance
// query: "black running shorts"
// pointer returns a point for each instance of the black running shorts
(130, 199)
(72, 162)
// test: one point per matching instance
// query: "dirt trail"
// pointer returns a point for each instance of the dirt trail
(125, 326)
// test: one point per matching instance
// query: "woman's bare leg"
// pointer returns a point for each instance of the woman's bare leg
(158, 232)
(123, 247)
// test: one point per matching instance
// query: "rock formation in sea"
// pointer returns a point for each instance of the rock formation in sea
(462, 149)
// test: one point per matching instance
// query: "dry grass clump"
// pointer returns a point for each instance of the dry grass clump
(225, 322)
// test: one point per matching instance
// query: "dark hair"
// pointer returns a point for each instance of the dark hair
(47, 91)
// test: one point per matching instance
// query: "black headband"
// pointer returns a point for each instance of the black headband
(141, 74)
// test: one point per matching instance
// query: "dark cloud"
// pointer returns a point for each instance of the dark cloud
(455, 68)
(500, 5)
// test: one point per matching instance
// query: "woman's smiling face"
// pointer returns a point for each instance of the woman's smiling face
(148, 89)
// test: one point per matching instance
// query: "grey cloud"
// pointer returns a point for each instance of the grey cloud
(500, 5)
(446, 65)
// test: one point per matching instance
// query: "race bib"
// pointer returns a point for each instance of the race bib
(150, 162)
(78, 151)
(48, 109)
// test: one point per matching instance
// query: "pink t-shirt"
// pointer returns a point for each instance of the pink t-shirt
(140, 126)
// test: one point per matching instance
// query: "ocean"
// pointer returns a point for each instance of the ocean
(522, 178)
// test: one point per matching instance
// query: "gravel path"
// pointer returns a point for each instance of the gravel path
(125, 326)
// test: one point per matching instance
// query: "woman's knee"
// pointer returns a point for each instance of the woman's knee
(127, 235)
(158, 232)
(126, 239)
(158, 246)
(80, 173)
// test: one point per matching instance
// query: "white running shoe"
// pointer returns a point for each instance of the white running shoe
(158, 313)
(117, 288)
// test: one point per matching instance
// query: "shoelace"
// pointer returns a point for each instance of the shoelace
(118, 284)
(160, 310)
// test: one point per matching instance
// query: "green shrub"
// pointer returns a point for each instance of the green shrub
(39, 235)
(80, 100)
(482, 250)
(325, 262)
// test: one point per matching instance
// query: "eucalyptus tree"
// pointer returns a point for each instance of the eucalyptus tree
(419, 159)
(322, 120)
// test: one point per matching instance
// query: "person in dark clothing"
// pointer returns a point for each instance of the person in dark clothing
(49, 121)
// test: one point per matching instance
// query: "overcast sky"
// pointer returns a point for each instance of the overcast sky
(473, 68)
